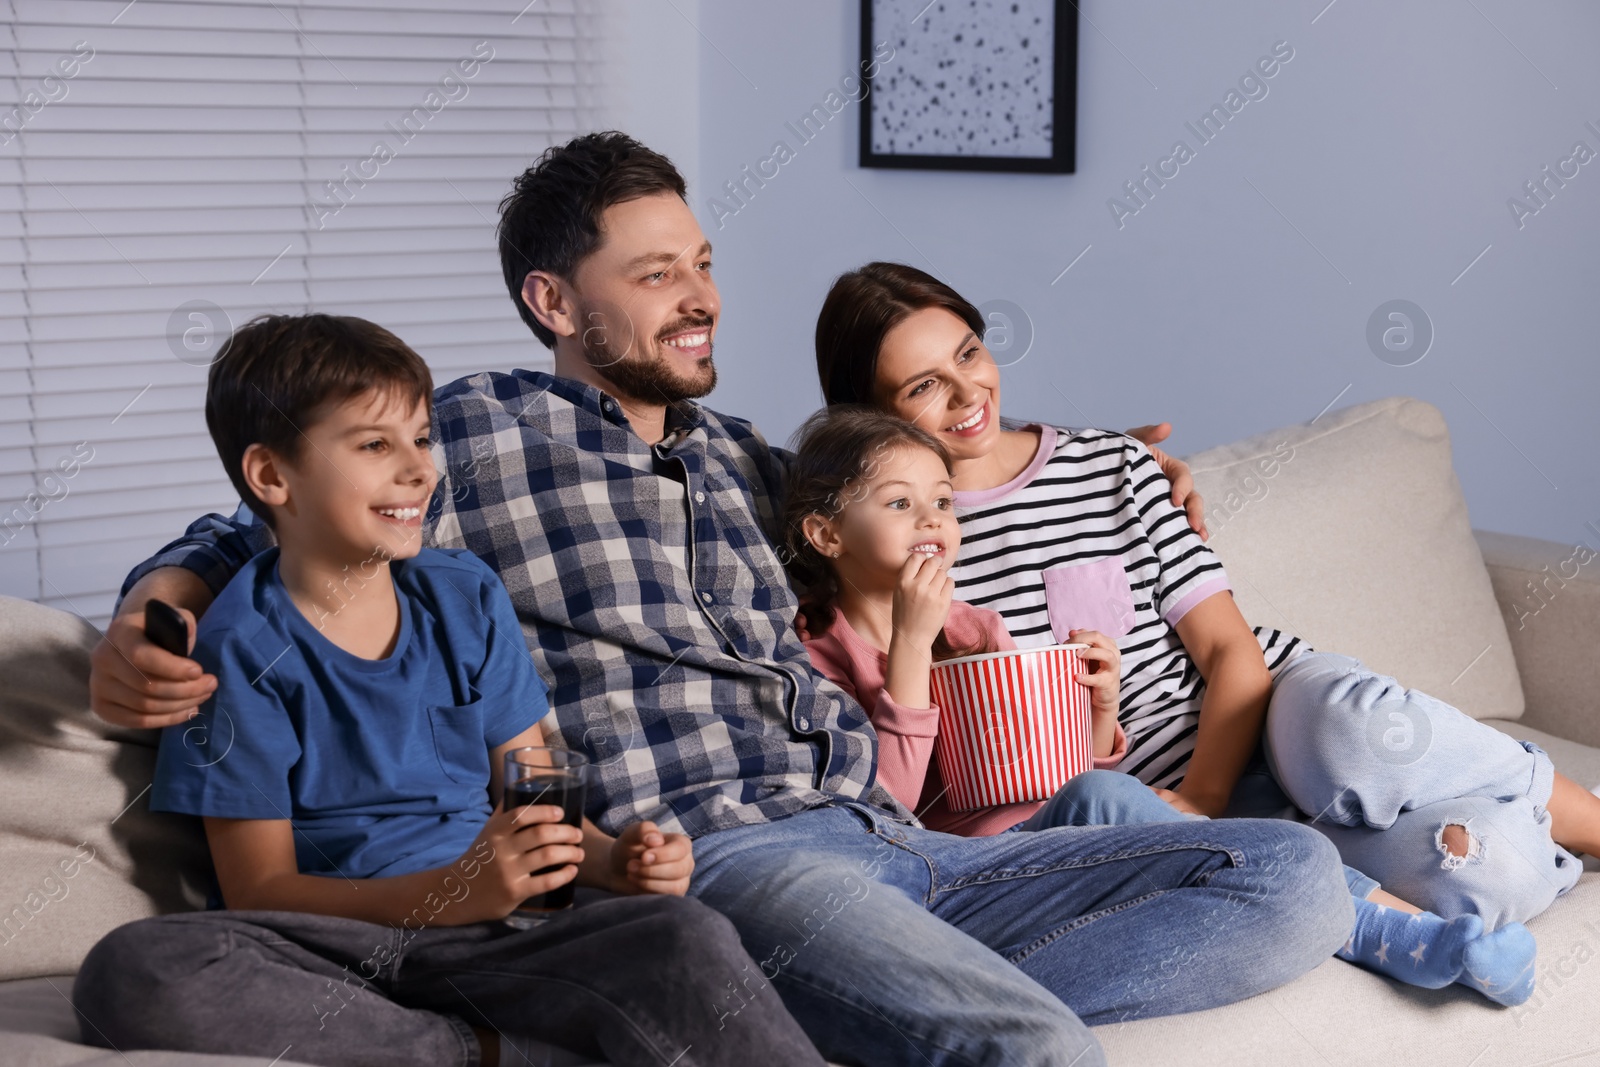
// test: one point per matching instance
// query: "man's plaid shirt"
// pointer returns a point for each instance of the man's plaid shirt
(649, 592)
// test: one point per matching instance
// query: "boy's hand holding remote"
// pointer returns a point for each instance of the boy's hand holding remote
(135, 682)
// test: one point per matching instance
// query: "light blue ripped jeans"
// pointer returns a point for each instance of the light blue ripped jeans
(1382, 770)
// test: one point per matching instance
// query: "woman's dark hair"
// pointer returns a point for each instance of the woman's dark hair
(278, 375)
(550, 220)
(838, 452)
(860, 310)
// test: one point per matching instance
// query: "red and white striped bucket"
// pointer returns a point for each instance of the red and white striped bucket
(1013, 726)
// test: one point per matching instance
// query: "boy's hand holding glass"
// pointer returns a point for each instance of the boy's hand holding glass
(645, 860)
(922, 600)
(511, 846)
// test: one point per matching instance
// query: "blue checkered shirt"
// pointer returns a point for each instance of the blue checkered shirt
(649, 593)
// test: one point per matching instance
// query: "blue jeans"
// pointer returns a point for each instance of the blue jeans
(893, 944)
(1382, 770)
(1111, 798)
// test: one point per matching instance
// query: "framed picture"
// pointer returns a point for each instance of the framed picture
(969, 84)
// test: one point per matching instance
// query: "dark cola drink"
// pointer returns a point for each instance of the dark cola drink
(567, 795)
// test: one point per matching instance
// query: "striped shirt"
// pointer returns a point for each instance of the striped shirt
(1086, 536)
(650, 595)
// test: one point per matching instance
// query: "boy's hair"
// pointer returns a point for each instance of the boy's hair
(278, 375)
(859, 311)
(550, 221)
(837, 452)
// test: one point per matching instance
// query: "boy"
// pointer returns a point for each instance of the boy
(346, 768)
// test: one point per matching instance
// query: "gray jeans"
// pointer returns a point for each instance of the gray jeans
(635, 980)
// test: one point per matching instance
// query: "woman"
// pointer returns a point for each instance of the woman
(1075, 529)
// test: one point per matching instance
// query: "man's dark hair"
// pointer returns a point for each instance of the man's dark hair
(550, 220)
(278, 375)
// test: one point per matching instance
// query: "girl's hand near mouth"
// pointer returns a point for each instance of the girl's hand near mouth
(922, 600)
(921, 606)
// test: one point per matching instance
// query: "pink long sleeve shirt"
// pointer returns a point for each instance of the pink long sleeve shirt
(905, 735)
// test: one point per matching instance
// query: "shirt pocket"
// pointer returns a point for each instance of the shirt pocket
(458, 742)
(1089, 596)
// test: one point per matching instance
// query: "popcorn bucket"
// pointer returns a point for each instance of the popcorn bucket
(1013, 726)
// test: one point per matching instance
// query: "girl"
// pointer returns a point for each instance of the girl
(1072, 529)
(871, 536)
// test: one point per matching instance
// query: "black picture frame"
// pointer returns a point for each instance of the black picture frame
(1063, 156)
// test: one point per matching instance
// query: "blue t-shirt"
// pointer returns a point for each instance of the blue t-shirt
(382, 765)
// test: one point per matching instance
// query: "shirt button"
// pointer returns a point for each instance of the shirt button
(699, 498)
(803, 723)
(706, 597)
(609, 406)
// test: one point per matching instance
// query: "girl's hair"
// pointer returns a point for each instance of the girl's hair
(860, 310)
(839, 451)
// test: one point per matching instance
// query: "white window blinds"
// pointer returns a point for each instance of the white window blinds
(173, 168)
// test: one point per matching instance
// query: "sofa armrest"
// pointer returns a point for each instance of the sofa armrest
(1549, 596)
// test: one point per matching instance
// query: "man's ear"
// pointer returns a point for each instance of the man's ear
(822, 533)
(545, 296)
(263, 473)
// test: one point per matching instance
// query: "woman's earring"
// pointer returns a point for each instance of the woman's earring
(836, 554)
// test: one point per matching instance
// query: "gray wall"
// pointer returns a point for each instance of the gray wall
(1377, 167)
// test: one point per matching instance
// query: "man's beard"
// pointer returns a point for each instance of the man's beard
(644, 376)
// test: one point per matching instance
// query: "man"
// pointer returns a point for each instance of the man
(634, 531)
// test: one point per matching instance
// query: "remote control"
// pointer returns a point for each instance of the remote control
(165, 628)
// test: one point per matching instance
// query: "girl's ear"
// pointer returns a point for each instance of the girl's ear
(263, 473)
(822, 533)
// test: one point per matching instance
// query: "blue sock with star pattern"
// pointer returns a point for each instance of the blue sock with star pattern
(1428, 951)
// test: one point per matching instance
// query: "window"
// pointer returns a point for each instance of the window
(172, 169)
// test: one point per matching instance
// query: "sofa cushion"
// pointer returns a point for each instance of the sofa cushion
(1549, 597)
(82, 851)
(1341, 1015)
(38, 1028)
(1351, 531)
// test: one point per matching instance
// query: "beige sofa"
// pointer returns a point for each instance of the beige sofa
(1350, 531)
(1360, 543)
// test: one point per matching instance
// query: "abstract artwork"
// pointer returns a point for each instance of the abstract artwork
(969, 84)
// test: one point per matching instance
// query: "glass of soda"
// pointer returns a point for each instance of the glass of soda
(541, 775)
